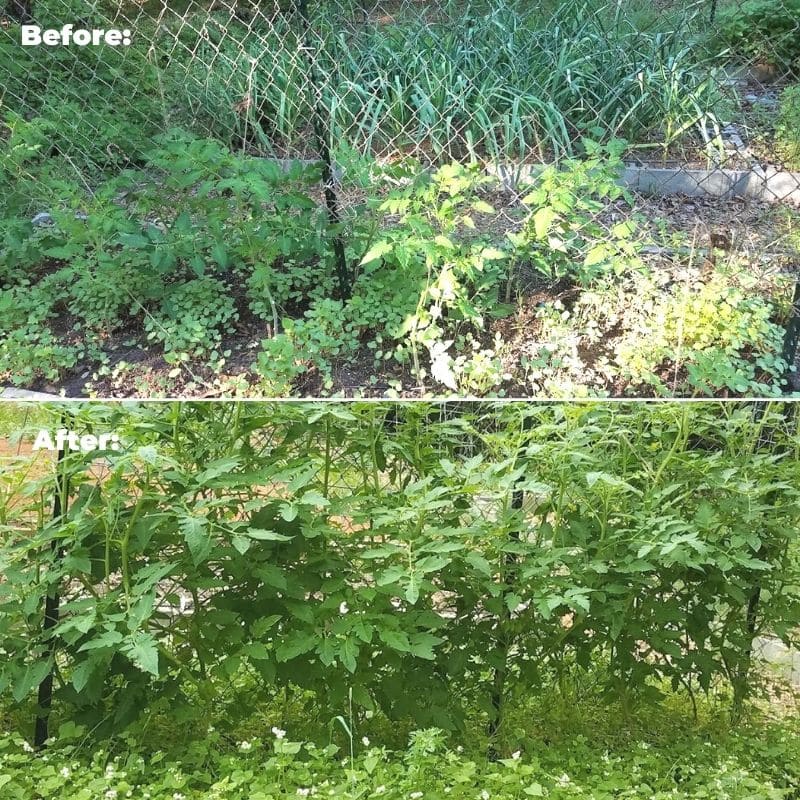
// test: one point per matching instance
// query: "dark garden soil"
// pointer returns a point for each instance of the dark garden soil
(685, 236)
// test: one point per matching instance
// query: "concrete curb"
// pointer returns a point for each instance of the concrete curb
(10, 393)
(773, 186)
(783, 660)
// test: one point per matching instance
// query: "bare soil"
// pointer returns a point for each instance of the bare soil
(681, 233)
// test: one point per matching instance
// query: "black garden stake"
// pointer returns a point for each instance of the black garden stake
(52, 602)
(501, 671)
(791, 338)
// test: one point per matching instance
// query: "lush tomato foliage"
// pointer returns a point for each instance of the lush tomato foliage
(483, 552)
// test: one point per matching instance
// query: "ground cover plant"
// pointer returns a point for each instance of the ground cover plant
(581, 590)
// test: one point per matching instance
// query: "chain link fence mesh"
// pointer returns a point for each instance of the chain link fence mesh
(685, 84)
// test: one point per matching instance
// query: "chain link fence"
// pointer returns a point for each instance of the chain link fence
(700, 98)
(693, 85)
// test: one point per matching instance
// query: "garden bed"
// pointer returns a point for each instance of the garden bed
(546, 335)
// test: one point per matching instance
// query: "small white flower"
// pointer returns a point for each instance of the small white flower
(245, 746)
(484, 795)
(210, 729)
(178, 796)
(65, 773)
(111, 794)
(365, 741)
(563, 780)
(459, 749)
(380, 789)
(343, 609)
(303, 792)
(27, 748)
(278, 733)
(415, 795)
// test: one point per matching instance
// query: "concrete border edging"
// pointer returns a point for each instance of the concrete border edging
(769, 185)
(11, 393)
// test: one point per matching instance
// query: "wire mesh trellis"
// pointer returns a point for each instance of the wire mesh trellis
(704, 96)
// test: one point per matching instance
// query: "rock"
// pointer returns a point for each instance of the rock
(45, 219)
(42, 219)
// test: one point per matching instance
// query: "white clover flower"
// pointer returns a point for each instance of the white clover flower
(415, 795)
(210, 729)
(343, 609)
(563, 780)
(111, 794)
(178, 796)
(459, 749)
(516, 755)
(278, 733)
(365, 741)
(245, 746)
(303, 792)
(27, 748)
(65, 773)
(484, 794)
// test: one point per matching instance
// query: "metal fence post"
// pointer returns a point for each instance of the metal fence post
(791, 338)
(321, 127)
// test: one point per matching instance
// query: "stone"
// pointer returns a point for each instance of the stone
(42, 219)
